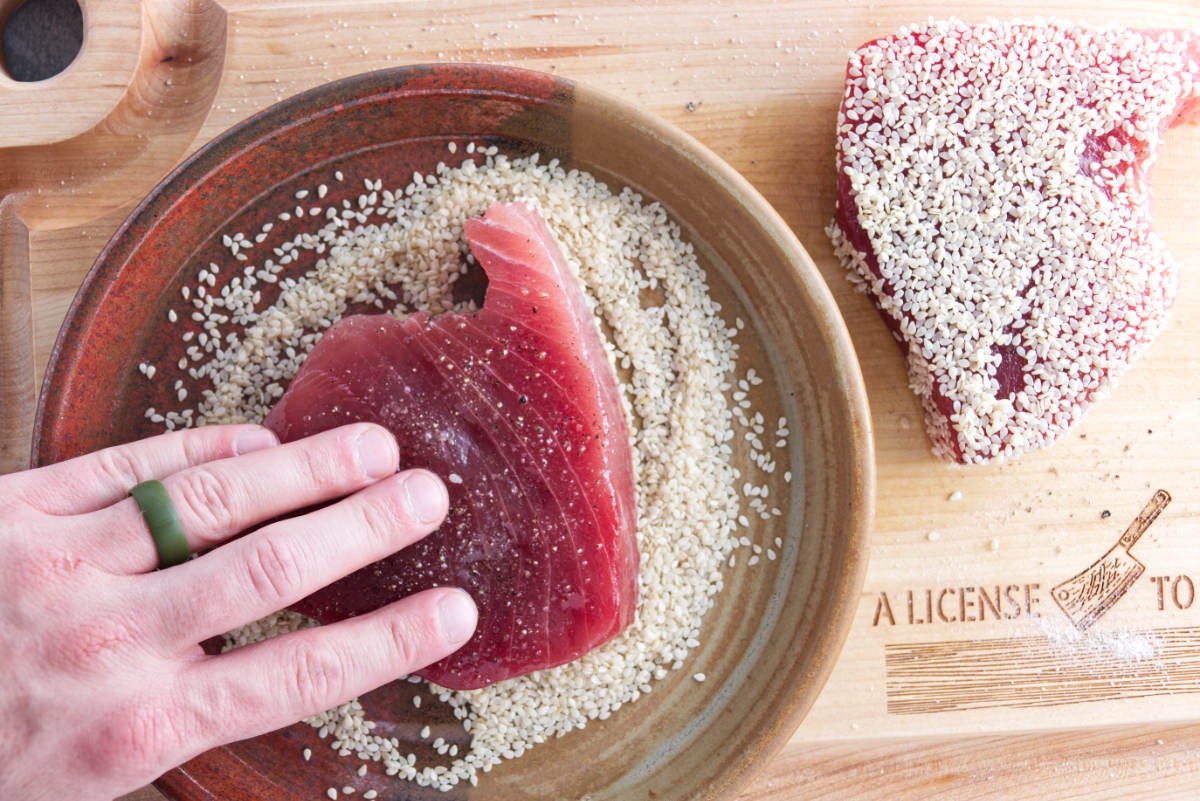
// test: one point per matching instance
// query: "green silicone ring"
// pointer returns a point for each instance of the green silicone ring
(165, 528)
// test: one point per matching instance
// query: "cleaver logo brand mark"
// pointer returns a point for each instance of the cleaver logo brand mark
(1086, 597)
(1056, 663)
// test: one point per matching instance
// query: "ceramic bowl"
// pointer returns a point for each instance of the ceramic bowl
(771, 640)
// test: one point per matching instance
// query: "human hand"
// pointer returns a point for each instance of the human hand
(105, 685)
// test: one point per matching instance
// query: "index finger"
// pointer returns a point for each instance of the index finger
(97, 480)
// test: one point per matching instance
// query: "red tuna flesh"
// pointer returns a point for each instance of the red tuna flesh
(993, 199)
(517, 407)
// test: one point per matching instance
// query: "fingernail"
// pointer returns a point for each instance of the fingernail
(377, 453)
(426, 496)
(457, 613)
(254, 439)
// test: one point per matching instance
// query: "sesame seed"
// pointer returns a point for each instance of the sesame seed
(1001, 217)
(696, 527)
(699, 677)
(307, 754)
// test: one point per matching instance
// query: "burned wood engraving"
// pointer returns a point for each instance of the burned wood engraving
(1041, 671)
(1086, 597)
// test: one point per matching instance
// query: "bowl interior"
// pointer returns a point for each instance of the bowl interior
(777, 627)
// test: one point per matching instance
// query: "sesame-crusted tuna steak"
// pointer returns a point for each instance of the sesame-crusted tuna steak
(516, 406)
(993, 199)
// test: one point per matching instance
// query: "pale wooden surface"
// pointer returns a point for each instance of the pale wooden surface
(85, 93)
(758, 82)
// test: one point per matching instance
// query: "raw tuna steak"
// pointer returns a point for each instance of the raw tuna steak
(517, 407)
(993, 198)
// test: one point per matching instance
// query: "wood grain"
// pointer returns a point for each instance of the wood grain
(1149, 763)
(758, 82)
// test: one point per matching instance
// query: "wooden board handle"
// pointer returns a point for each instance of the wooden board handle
(87, 90)
(132, 102)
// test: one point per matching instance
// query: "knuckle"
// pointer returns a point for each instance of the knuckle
(315, 468)
(203, 444)
(209, 497)
(319, 676)
(406, 633)
(378, 513)
(140, 737)
(273, 569)
(118, 466)
(334, 460)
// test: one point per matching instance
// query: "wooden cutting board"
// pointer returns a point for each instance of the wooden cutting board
(963, 676)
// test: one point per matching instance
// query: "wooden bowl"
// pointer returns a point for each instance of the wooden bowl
(775, 633)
